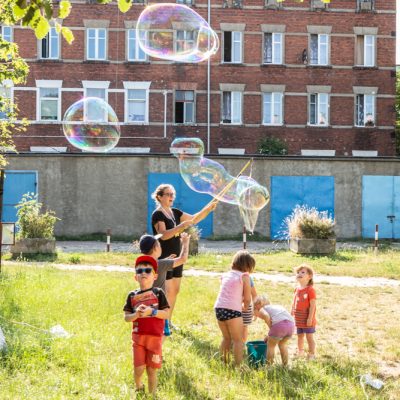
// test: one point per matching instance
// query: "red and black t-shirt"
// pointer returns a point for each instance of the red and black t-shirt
(301, 306)
(153, 297)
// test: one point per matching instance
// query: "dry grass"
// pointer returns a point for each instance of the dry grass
(309, 223)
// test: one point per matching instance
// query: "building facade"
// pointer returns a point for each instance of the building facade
(320, 77)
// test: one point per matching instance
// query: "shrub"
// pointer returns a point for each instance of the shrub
(273, 146)
(32, 223)
(194, 231)
(309, 223)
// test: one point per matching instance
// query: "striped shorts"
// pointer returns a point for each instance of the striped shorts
(248, 315)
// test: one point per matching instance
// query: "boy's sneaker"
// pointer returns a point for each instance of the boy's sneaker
(167, 330)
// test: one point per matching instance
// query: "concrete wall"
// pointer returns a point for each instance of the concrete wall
(91, 193)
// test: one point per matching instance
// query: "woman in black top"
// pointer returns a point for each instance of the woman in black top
(170, 222)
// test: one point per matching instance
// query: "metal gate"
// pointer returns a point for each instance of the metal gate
(16, 184)
(289, 191)
(381, 205)
(187, 200)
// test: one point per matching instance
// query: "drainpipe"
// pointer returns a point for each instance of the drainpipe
(208, 80)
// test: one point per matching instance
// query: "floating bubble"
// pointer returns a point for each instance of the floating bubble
(175, 32)
(207, 176)
(91, 124)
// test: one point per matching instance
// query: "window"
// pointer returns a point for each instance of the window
(186, 2)
(232, 107)
(185, 41)
(184, 107)
(272, 48)
(232, 47)
(137, 105)
(365, 5)
(365, 110)
(318, 109)
(50, 45)
(319, 49)
(96, 43)
(365, 50)
(6, 33)
(93, 113)
(48, 104)
(135, 52)
(272, 110)
(6, 94)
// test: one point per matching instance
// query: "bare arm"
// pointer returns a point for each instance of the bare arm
(311, 312)
(253, 293)
(246, 292)
(169, 233)
(129, 317)
(185, 239)
(161, 314)
(264, 316)
(204, 212)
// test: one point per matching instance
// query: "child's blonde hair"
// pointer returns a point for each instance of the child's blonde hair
(243, 261)
(261, 301)
(309, 270)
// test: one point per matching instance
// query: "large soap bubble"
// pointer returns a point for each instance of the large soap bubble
(91, 124)
(175, 32)
(207, 176)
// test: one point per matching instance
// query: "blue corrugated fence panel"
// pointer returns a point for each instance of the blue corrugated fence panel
(289, 191)
(396, 208)
(379, 197)
(187, 200)
(16, 184)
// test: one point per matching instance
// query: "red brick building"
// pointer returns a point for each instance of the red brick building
(319, 77)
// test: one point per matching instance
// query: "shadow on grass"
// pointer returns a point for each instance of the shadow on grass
(184, 384)
(39, 257)
(204, 348)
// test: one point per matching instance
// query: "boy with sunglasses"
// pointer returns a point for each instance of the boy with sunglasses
(147, 308)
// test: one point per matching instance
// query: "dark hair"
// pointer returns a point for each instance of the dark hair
(309, 270)
(243, 261)
(160, 191)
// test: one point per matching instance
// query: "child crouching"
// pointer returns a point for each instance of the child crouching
(281, 327)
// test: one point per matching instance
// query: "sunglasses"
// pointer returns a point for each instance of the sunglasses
(147, 270)
(169, 194)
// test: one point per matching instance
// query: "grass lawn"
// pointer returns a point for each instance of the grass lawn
(358, 263)
(358, 332)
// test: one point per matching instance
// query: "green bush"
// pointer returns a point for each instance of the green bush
(273, 146)
(309, 223)
(32, 223)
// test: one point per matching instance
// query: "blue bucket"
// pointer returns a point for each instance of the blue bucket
(256, 353)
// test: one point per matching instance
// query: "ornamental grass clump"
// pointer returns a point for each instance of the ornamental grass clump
(309, 223)
(32, 223)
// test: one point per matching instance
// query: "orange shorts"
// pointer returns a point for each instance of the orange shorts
(147, 350)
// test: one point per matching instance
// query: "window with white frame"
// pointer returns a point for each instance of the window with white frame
(365, 110)
(135, 52)
(273, 48)
(233, 47)
(50, 45)
(6, 33)
(92, 111)
(96, 41)
(319, 44)
(365, 50)
(232, 107)
(272, 108)
(318, 109)
(185, 41)
(186, 2)
(49, 103)
(137, 105)
(5, 102)
(184, 107)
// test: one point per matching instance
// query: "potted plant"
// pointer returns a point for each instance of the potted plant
(35, 228)
(311, 231)
(195, 232)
